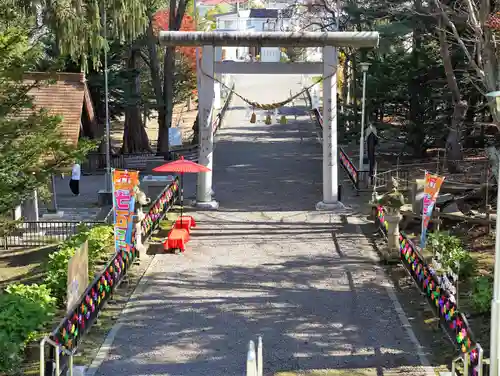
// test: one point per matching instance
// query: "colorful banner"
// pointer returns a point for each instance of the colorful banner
(124, 183)
(431, 190)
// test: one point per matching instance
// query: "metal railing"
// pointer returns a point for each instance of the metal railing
(441, 300)
(255, 366)
(362, 180)
(95, 163)
(159, 208)
(349, 168)
(42, 233)
(381, 180)
(66, 337)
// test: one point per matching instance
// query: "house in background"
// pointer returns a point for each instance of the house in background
(270, 20)
(252, 20)
(232, 21)
(204, 6)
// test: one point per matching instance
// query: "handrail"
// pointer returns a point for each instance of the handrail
(65, 338)
(441, 300)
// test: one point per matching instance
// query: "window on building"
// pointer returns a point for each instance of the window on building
(228, 24)
(249, 23)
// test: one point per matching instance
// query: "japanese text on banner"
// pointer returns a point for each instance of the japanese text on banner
(432, 186)
(124, 184)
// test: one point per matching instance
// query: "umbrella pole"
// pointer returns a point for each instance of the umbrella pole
(182, 195)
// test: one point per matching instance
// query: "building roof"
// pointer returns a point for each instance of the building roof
(66, 95)
(269, 13)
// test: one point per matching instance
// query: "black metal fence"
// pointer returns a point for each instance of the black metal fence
(78, 321)
(96, 162)
(42, 233)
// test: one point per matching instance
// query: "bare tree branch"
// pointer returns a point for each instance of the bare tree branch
(459, 40)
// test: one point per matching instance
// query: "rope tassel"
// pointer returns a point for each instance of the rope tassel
(283, 120)
(253, 118)
(268, 120)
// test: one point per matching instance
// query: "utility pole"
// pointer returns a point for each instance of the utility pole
(495, 303)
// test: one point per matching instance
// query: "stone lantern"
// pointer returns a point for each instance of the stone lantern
(392, 202)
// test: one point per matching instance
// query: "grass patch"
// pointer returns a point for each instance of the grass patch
(24, 266)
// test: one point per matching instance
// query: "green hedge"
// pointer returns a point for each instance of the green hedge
(100, 241)
(26, 309)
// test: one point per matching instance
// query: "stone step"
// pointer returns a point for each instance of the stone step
(71, 214)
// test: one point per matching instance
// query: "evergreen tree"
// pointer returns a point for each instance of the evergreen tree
(31, 147)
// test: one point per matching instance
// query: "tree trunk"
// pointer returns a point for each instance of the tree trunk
(168, 98)
(413, 82)
(347, 77)
(354, 92)
(453, 146)
(135, 138)
(176, 14)
(154, 67)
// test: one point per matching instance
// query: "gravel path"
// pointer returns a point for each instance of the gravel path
(265, 263)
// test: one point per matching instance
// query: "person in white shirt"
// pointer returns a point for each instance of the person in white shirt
(74, 183)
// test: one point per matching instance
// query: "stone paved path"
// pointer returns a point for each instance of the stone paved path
(265, 263)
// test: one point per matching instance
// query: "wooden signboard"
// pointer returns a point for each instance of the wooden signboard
(78, 275)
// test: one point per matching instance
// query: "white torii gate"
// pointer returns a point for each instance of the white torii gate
(330, 41)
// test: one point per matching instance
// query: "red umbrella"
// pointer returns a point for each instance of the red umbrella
(182, 166)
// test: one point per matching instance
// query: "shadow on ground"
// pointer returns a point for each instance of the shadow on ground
(318, 312)
(273, 168)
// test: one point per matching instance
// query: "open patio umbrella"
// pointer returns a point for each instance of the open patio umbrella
(182, 166)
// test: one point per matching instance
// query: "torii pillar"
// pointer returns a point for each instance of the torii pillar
(330, 41)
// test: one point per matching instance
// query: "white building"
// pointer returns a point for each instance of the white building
(204, 6)
(253, 20)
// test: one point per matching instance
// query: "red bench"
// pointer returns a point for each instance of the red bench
(176, 239)
(185, 222)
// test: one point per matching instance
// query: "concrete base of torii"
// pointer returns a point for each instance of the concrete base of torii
(331, 206)
(210, 205)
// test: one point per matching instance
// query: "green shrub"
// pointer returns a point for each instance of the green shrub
(100, 240)
(452, 252)
(23, 311)
(57, 272)
(40, 294)
(482, 294)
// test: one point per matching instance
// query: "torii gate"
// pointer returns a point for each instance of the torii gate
(330, 41)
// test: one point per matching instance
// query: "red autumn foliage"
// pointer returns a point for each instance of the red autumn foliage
(160, 23)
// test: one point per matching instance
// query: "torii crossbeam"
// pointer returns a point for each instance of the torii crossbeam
(330, 41)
